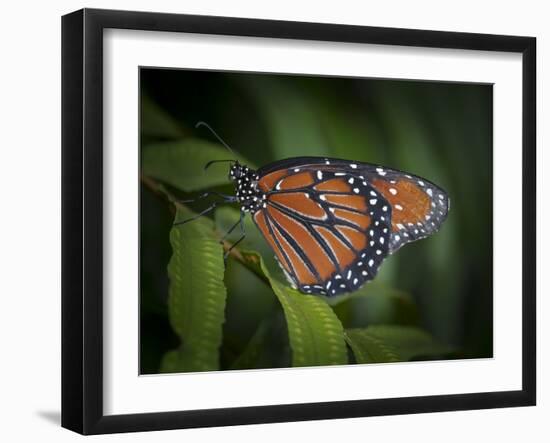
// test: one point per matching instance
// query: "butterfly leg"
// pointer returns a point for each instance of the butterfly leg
(231, 230)
(226, 198)
(206, 211)
(232, 246)
(240, 223)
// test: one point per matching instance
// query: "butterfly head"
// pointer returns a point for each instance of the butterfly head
(237, 171)
(247, 192)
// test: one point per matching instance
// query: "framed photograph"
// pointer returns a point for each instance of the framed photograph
(269, 221)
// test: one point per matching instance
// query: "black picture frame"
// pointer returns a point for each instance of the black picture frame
(82, 218)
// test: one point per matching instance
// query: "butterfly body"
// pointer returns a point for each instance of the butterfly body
(331, 222)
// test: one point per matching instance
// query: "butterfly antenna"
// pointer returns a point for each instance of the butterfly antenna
(199, 124)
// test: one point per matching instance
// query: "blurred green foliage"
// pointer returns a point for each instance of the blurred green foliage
(431, 300)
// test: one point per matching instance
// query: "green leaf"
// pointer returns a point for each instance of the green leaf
(197, 295)
(181, 163)
(368, 348)
(390, 343)
(155, 122)
(315, 333)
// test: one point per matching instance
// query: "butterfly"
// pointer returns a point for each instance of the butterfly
(331, 222)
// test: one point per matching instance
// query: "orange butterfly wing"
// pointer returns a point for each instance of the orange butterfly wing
(330, 230)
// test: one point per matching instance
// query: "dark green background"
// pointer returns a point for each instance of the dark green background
(441, 131)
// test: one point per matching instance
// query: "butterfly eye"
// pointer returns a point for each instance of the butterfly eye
(235, 172)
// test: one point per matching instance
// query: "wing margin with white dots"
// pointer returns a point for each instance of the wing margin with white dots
(419, 206)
